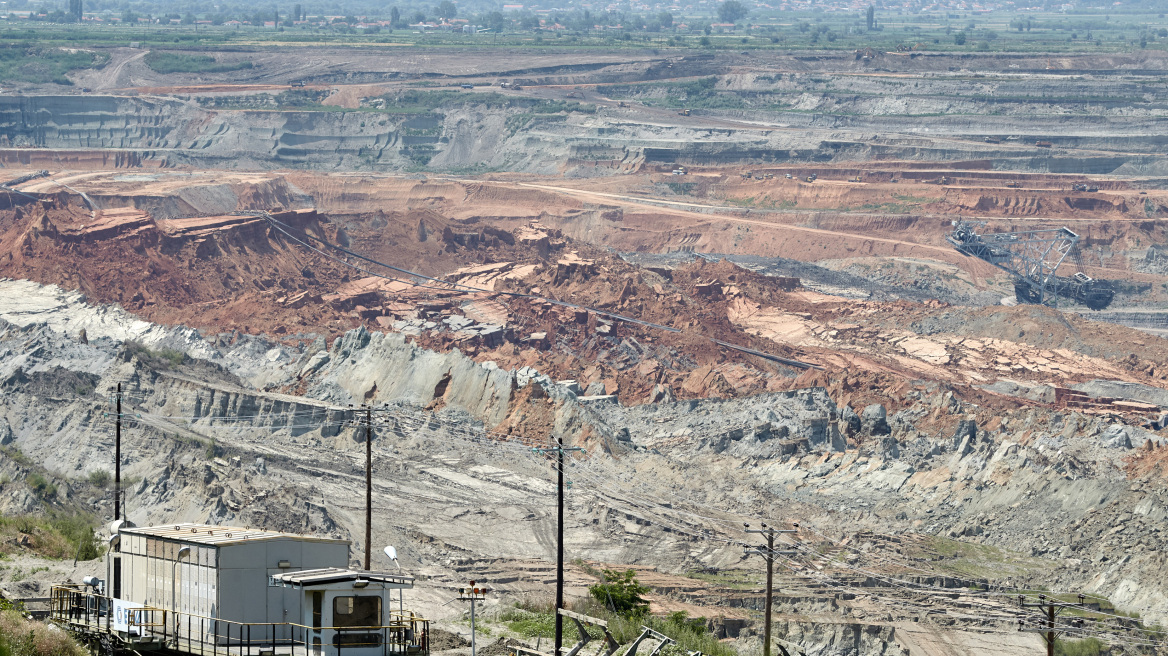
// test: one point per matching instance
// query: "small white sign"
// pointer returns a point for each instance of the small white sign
(122, 615)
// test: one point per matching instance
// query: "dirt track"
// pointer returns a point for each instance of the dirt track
(936, 252)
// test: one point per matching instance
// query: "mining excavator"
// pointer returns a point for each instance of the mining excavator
(1033, 258)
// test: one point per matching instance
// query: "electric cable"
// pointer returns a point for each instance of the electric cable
(480, 436)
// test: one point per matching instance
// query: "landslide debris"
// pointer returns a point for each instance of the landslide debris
(238, 274)
(204, 271)
(945, 462)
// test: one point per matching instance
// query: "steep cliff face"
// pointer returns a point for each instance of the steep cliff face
(239, 375)
(99, 122)
(126, 256)
(168, 131)
(832, 638)
(247, 430)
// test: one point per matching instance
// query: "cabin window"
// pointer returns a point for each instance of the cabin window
(317, 609)
(357, 640)
(117, 577)
(357, 611)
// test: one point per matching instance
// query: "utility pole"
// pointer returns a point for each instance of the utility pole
(367, 423)
(1050, 632)
(118, 458)
(119, 510)
(559, 544)
(559, 448)
(472, 594)
(368, 483)
(1047, 606)
(768, 553)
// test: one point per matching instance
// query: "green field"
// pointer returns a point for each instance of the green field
(1001, 31)
(171, 62)
(37, 65)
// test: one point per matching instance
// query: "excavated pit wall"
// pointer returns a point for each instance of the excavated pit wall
(176, 132)
(359, 366)
(153, 131)
(55, 397)
(832, 639)
(973, 483)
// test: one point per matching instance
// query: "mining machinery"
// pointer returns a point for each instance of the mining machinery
(1033, 258)
(24, 178)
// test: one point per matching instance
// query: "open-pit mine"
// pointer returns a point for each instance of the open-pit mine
(907, 306)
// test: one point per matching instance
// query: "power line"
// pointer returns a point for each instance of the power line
(768, 553)
(367, 423)
(588, 470)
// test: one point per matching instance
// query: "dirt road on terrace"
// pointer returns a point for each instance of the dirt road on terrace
(109, 77)
(678, 208)
(936, 252)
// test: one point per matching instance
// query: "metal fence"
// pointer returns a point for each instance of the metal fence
(78, 609)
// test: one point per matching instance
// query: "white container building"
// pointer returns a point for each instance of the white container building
(205, 590)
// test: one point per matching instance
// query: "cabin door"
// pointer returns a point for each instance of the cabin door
(353, 624)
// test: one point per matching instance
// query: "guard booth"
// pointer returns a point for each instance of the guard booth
(351, 612)
(205, 589)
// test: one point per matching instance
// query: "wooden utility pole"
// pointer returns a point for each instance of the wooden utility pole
(1047, 604)
(768, 553)
(118, 457)
(368, 483)
(559, 449)
(1050, 630)
(367, 423)
(559, 544)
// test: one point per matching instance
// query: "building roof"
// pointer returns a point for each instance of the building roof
(220, 536)
(311, 577)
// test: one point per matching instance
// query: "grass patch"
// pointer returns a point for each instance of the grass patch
(290, 100)
(57, 535)
(980, 561)
(1088, 647)
(16, 455)
(423, 101)
(99, 478)
(908, 198)
(905, 204)
(760, 202)
(37, 65)
(155, 359)
(173, 62)
(530, 623)
(697, 94)
(24, 637)
(735, 580)
(409, 102)
(41, 486)
(527, 120)
(538, 620)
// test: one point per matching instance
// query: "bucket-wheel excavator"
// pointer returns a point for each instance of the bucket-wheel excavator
(1033, 258)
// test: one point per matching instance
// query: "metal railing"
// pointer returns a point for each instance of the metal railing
(75, 607)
